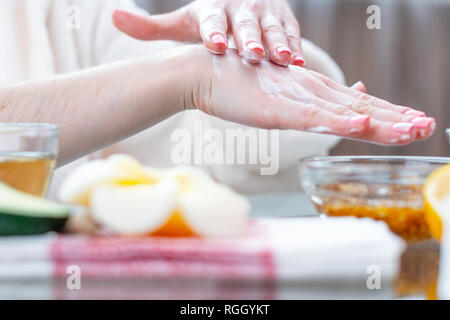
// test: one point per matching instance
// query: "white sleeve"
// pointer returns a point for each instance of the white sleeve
(99, 40)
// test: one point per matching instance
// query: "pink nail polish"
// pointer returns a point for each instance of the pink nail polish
(299, 62)
(255, 46)
(415, 113)
(360, 119)
(283, 50)
(403, 127)
(254, 52)
(220, 41)
(422, 123)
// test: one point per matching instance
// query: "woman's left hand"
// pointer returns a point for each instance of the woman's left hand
(255, 25)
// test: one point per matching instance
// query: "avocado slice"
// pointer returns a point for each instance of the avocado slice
(25, 214)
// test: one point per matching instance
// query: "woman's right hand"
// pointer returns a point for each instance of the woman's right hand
(271, 97)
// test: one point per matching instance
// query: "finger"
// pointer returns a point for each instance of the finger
(368, 105)
(314, 118)
(355, 118)
(385, 119)
(362, 96)
(384, 110)
(275, 39)
(364, 105)
(214, 28)
(425, 127)
(171, 26)
(247, 35)
(317, 119)
(293, 34)
(386, 133)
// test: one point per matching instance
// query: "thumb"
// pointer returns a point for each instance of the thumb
(175, 25)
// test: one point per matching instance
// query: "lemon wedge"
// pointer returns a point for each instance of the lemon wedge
(437, 200)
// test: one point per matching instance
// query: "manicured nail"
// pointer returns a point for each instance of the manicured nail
(298, 61)
(255, 46)
(360, 119)
(415, 113)
(254, 51)
(405, 137)
(283, 50)
(403, 127)
(284, 53)
(359, 123)
(360, 86)
(422, 123)
(219, 40)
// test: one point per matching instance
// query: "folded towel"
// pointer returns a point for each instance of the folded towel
(273, 249)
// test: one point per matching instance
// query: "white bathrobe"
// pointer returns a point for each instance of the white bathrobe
(42, 38)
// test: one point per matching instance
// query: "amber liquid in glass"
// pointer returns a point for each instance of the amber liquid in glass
(29, 172)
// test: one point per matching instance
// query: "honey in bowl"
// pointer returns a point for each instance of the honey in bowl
(29, 172)
(404, 216)
(383, 188)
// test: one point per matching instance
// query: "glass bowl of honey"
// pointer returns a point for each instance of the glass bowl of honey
(383, 188)
(28, 153)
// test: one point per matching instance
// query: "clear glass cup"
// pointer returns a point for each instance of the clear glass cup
(28, 153)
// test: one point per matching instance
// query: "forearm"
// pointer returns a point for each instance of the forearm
(101, 106)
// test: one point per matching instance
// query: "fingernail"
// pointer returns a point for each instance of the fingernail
(359, 84)
(433, 127)
(298, 61)
(254, 51)
(255, 46)
(219, 40)
(284, 53)
(284, 50)
(415, 113)
(359, 123)
(403, 127)
(422, 123)
(360, 119)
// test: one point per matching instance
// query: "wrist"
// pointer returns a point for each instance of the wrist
(194, 67)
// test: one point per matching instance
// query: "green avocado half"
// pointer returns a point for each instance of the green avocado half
(25, 214)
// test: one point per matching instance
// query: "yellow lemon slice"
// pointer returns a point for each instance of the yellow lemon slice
(437, 200)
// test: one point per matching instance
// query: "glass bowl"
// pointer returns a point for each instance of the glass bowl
(382, 188)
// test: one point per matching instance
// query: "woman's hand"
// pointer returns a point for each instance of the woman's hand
(255, 25)
(272, 97)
